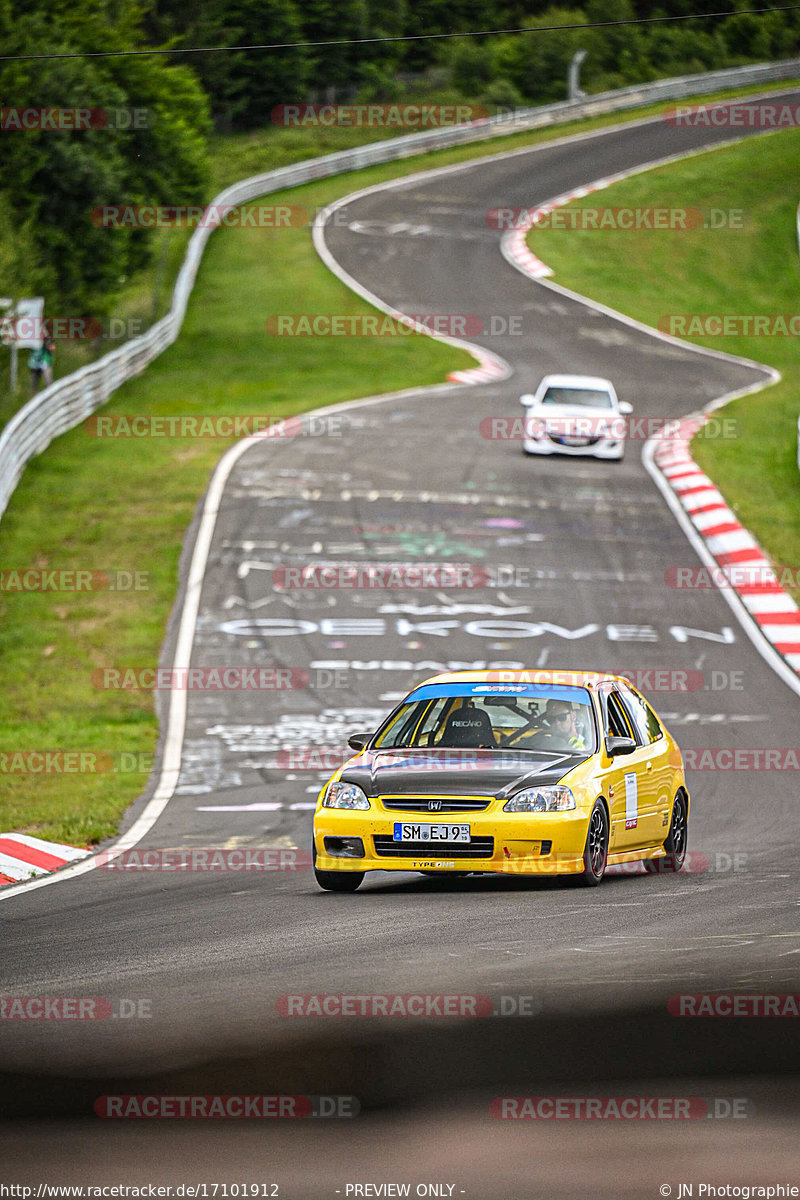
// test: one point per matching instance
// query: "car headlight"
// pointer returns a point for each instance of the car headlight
(344, 795)
(545, 799)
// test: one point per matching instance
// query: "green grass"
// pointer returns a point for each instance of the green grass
(93, 504)
(751, 270)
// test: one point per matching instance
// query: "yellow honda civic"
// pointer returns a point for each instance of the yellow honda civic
(506, 772)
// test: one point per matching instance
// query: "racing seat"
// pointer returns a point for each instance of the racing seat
(467, 727)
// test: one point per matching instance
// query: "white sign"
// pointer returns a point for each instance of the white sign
(29, 323)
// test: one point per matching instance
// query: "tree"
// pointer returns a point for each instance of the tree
(245, 85)
(536, 63)
(53, 179)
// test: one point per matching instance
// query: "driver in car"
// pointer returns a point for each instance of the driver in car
(560, 730)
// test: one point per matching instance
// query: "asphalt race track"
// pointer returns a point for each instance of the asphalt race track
(577, 552)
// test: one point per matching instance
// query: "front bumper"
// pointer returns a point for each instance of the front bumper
(519, 842)
(602, 449)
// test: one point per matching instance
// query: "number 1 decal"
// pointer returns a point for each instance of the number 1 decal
(631, 800)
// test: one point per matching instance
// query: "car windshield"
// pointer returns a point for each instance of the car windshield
(541, 718)
(578, 397)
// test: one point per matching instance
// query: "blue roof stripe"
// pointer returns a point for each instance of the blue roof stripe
(538, 691)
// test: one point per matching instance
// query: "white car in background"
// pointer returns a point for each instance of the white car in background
(575, 414)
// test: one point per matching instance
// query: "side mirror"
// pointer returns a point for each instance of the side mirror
(527, 399)
(619, 745)
(358, 741)
(625, 408)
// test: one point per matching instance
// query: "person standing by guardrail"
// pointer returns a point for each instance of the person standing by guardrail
(48, 353)
(36, 366)
(40, 365)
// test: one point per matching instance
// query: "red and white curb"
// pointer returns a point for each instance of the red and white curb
(23, 857)
(491, 367)
(735, 551)
(514, 244)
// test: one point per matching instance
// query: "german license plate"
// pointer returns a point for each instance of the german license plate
(411, 831)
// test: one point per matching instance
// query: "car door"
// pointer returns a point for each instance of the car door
(627, 779)
(656, 810)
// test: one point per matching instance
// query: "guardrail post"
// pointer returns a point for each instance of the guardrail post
(574, 76)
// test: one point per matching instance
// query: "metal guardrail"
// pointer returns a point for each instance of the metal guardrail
(69, 401)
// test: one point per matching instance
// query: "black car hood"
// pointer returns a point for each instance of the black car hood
(455, 772)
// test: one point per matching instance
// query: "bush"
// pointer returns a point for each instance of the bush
(471, 65)
(502, 94)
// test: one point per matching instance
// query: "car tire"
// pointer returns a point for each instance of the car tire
(678, 836)
(337, 881)
(595, 854)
